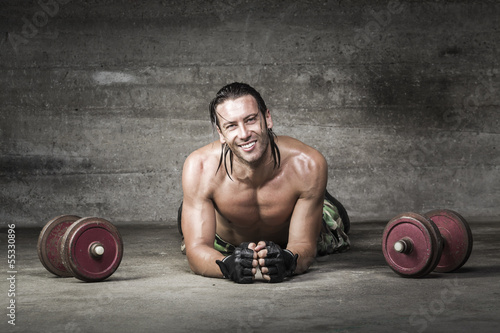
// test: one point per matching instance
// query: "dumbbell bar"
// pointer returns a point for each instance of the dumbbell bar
(89, 248)
(415, 245)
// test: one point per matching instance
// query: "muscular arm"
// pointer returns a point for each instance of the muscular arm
(305, 223)
(198, 219)
(304, 230)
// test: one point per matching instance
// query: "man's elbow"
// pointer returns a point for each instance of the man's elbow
(304, 263)
(194, 264)
(202, 265)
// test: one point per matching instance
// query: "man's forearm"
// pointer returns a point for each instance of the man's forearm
(202, 261)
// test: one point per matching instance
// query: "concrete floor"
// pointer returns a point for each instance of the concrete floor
(153, 290)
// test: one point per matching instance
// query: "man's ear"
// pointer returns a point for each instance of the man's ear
(269, 119)
(222, 139)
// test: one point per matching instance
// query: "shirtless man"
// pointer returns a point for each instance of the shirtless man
(251, 188)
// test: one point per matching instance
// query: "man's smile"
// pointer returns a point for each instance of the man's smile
(248, 146)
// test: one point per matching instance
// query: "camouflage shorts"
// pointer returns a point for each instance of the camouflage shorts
(333, 237)
(222, 246)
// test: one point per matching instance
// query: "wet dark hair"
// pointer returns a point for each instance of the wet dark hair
(232, 91)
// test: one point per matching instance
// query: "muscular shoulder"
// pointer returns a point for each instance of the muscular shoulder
(200, 168)
(303, 161)
(299, 154)
(204, 157)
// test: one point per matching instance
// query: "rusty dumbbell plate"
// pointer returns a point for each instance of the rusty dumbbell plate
(457, 239)
(92, 249)
(49, 244)
(422, 240)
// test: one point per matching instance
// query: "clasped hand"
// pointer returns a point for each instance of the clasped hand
(275, 263)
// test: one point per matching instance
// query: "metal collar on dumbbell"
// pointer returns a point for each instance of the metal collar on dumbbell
(96, 249)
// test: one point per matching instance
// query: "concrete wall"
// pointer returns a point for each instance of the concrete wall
(101, 101)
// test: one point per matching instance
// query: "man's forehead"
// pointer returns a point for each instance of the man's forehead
(234, 106)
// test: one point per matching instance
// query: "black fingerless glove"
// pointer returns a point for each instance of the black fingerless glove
(280, 263)
(238, 266)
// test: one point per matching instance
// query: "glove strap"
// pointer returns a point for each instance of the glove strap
(290, 261)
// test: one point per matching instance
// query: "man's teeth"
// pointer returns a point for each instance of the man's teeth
(251, 144)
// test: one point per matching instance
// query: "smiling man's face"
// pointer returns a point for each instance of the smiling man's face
(244, 129)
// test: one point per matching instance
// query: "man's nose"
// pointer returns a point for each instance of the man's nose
(244, 133)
